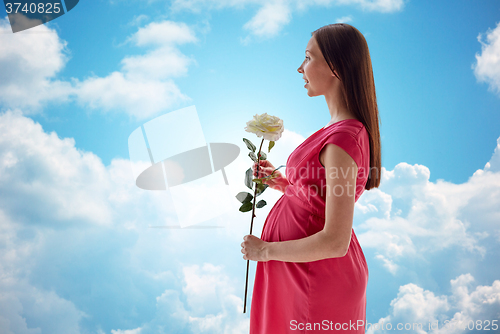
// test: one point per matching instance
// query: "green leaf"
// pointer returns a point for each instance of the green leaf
(271, 176)
(250, 145)
(253, 156)
(246, 207)
(272, 173)
(244, 197)
(257, 180)
(260, 204)
(271, 145)
(263, 155)
(248, 178)
(260, 188)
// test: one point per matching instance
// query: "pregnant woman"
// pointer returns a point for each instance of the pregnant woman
(311, 273)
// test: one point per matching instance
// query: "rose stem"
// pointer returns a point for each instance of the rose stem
(251, 224)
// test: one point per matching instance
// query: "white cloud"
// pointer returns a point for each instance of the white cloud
(272, 16)
(441, 314)
(79, 228)
(138, 20)
(72, 224)
(138, 98)
(196, 6)
(210, 299)
(29, 63)
(344, 19)
(144, 86)
(270, 19)
(77, 231)
(201, 285)
(163, 33)
(387, 263)
(410, 216)
(494, 164)
(20, 300)
(58, 181)
(31, 60)
(487, 66)
(159, 64)
(375, 202)
(127, 331)
(208, 284)
(66, 220)
(384, 6)
(51, 183)
(45, 308)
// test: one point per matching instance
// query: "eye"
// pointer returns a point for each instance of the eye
(308, 58)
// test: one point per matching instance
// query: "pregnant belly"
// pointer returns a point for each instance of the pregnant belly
(288, 220)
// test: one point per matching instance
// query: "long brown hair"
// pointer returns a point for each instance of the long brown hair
(346, 51)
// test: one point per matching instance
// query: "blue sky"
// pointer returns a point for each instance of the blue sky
(77, 255)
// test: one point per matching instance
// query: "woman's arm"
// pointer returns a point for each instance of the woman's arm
(282, 185)
(334, 239)
(280, 182)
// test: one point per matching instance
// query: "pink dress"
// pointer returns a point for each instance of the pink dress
(322, 296)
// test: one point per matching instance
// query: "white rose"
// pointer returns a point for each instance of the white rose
(270, 127)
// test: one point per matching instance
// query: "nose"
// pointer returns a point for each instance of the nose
(300, 70)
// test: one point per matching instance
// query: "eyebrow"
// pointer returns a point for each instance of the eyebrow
(308, 51)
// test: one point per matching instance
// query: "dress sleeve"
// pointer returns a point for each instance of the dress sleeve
(348, 143)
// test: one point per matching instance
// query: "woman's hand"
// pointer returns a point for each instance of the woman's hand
(254, 248)
(279, 182)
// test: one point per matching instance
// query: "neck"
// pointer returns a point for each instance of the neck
(337, 107)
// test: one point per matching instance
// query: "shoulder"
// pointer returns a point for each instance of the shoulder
(350, 135)
(349, 127)
(352, 126)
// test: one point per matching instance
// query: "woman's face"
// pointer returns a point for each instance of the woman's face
(315, 71)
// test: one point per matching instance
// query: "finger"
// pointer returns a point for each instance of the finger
(261, 172)
(260, 164)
